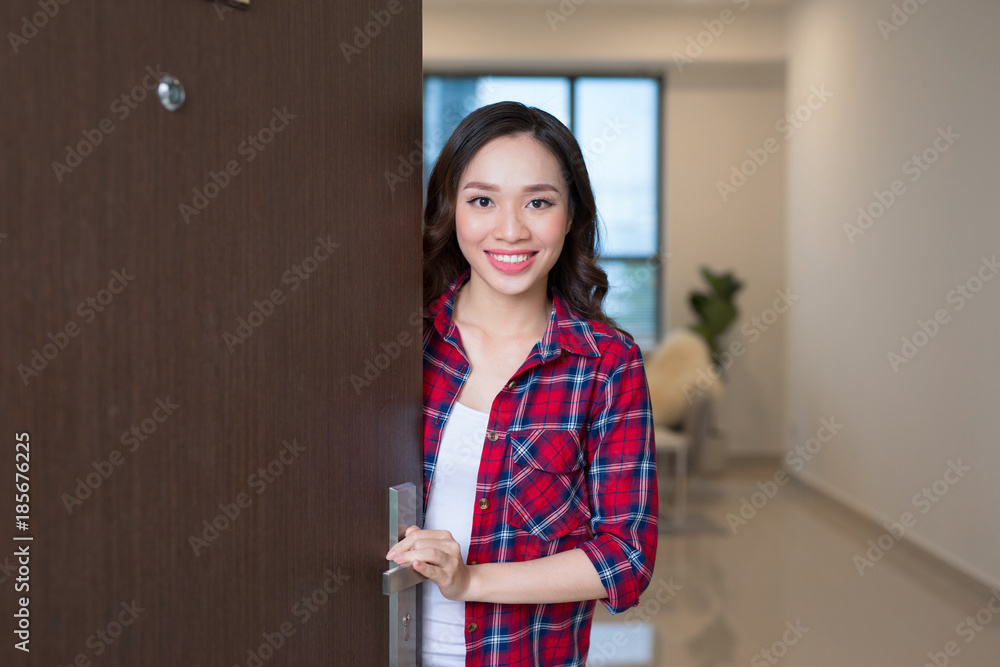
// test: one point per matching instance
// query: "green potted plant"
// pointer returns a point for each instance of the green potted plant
(715, 309)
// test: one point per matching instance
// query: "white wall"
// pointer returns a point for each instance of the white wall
(725, 103)
(901, 426)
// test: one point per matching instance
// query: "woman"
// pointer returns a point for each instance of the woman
(539, 469)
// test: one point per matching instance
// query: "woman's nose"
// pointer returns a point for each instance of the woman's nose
(510, 227)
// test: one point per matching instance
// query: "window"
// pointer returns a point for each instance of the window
(616, 121)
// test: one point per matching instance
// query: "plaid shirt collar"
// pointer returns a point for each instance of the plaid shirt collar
(565, 331)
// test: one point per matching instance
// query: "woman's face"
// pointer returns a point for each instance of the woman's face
(512, 214)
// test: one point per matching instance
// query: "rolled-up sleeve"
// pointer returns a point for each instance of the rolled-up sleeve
(621, 479)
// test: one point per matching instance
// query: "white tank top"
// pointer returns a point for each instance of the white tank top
(450, 506)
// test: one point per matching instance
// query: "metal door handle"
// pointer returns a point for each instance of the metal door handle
(404, 507)
(399, 583)
(400, 578)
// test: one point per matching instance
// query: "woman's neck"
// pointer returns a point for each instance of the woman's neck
(503, 315)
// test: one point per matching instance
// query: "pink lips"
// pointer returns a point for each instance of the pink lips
(512, 268)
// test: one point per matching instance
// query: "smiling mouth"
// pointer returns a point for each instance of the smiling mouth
(512, 259)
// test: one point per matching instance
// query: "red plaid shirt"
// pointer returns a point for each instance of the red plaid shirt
(568, 462)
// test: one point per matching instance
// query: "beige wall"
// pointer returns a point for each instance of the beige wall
(714, 116)
(862, 293)
(483, 32)
(726, 102)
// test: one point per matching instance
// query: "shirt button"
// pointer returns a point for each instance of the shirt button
(472, 562)
(510, 385)
(483, 503)
(472, 627)
(492, 435)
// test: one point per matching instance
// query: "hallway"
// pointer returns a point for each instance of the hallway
(785, 589)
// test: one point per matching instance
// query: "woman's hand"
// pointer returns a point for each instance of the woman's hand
(436, 555)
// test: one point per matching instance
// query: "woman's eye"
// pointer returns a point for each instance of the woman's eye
(480, 202)
(539, 203)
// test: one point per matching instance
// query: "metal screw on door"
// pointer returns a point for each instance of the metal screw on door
(171, 93)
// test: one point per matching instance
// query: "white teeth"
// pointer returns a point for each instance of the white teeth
(510, 259)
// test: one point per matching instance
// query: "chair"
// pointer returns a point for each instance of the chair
(683, 391)
(685, 444)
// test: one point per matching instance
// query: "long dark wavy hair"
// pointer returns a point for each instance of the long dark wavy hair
(577, 277)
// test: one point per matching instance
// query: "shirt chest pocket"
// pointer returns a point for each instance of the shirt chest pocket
(548, 489)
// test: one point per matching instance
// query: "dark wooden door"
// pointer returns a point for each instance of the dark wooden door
(210, 329)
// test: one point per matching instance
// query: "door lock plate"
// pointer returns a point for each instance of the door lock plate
(400, 583)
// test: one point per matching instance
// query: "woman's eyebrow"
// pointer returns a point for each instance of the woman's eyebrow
(537, 187)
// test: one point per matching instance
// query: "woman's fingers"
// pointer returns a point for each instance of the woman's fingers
(413, 533)
(429, 570)
(440, 560)
(403, 544)
(426, 555)
(446, 547)
(440, 568)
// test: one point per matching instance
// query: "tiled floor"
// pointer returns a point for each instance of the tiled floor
(784, 590)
